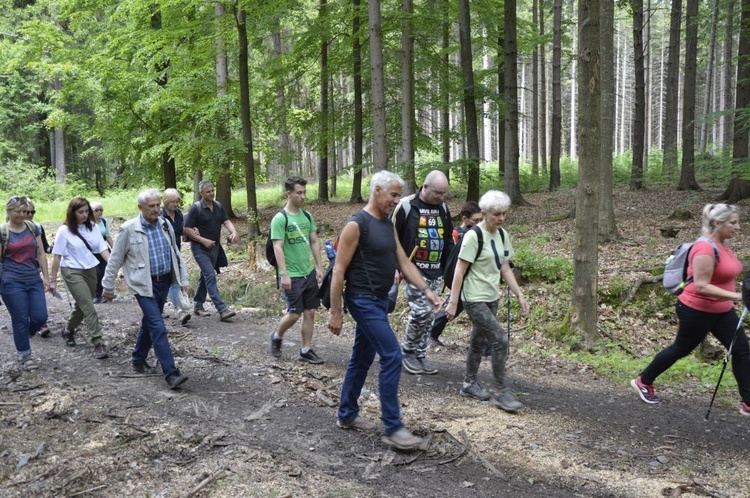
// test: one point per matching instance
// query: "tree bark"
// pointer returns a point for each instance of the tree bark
(502, 105)
(358, 107)
(282, 161)
(639, 121)
(687, 175)
(607, 223)
(726, 82)
(470, 105)
(741, 120)
(224, 182)
(512, 180)
(324, 136)
(407, 95)
(377, 82)
(669, 125)
(253, 229)
(556, 139)
(445, 122)
(704, 142)
(542, 93)
(535, 97)
(585, 283)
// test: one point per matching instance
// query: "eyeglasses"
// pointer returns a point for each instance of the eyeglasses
(98, 210)
(32, 211)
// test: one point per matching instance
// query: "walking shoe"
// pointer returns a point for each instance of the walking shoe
(185, 318)
(358, 424)
(427, 367)
(100, 351)
(201, 311)
(142, 367)
(27, 363)
(176, 379)
(474, 390)
(310, 357)
(744, 408)
(435, 342)
(97, 300)
(69, 338)
(226, 315)
(275, 348)
(645, 391)
(412, 364)
(403, 440)
(505, 400)
(44, 331)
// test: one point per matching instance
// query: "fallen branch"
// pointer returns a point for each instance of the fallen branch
(466, 449)
(619, 343)
(87, 491)
(205, 482)
(637, 285)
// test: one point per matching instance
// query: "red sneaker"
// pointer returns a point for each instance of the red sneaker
(645, 391)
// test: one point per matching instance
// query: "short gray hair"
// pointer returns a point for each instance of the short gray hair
(493, 201)
(146, 194)
(204, 184)
(713, 213)
(383, 179)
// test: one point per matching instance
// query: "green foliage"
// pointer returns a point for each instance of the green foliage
(539, 267)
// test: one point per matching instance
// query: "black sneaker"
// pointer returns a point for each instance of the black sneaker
(201, 312)
(275, 348)
(506, 401)
(142, 367)
(474, 390)
(69, 338)
(176, 380)
(184, 318)
(310, 357)
(44, 331)
(412, 364)
(427, 367)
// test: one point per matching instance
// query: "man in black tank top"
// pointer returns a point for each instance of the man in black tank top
(367, 251)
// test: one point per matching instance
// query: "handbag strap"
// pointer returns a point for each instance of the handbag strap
(85, 243)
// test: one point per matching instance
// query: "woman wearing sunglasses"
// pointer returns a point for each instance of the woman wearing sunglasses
(477, 282)
(21, 287)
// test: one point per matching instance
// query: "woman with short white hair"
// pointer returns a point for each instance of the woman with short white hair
(170, 211)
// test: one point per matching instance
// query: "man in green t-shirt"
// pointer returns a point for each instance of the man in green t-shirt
(295, 237)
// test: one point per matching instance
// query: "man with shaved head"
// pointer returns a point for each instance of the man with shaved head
(425, 231)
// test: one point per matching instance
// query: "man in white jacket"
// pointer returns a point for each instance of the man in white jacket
(147, 252)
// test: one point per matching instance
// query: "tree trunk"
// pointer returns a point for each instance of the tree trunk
(224, 183)
(407, 96)
(556, 139)
(470, 104)
(669, 146)
(572, 144)
(607, 223)
(542, 93)
(687, 176)
(445, 122)
(282, 161)
(512, 179)
(703, 144)
(502, 105)
(377, 82)
(639, 121)
(741, 121)
(324, 136)
(726, 82)
(358, 108)
(535, 97)
(169, 169)
(253, 229)
(586, 257)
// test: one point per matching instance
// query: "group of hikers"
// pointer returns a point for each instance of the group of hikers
(391, 238)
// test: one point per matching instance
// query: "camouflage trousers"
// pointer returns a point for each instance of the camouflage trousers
(420, 318)
(486, 329)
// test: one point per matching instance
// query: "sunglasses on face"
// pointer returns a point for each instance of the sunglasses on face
(98, 210)
(31, 211)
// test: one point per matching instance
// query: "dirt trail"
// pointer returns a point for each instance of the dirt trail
(249, 425)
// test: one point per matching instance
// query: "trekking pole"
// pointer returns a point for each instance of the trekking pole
(726, 360)
(509, 320)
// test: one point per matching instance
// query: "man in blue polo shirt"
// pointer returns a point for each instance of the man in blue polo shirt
(203, 227)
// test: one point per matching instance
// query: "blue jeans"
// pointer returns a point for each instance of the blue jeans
(174, 295)
(373, 335)
(28, 310)
(153, 333)
(206, 259)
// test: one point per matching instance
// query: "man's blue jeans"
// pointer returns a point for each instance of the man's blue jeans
(373, 335)
(206, 259)
(153, 333)
(28, 310)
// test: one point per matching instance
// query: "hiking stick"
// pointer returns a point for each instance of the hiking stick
(509, 320)
(726, 360)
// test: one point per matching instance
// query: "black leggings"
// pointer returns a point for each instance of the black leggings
(694, 327)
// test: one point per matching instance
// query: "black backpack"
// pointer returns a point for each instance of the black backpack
(270, 254)
(450, 264)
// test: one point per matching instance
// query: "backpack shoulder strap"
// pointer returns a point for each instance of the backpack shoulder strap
(307, 215)
(713, 245)
(3, 238)
(480, 240)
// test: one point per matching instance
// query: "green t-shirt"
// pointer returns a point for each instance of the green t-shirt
(296, 239)
(482, 282)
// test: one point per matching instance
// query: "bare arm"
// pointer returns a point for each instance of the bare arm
(348, 242)
(315, 248)
(233, 237)
(41, 256)
(53, 272)
(510, 278)
(278, 250)
(458, 281)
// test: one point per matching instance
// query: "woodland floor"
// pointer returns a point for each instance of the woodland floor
(246, 424)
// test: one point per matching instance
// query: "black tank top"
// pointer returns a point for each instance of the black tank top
(377, 244)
